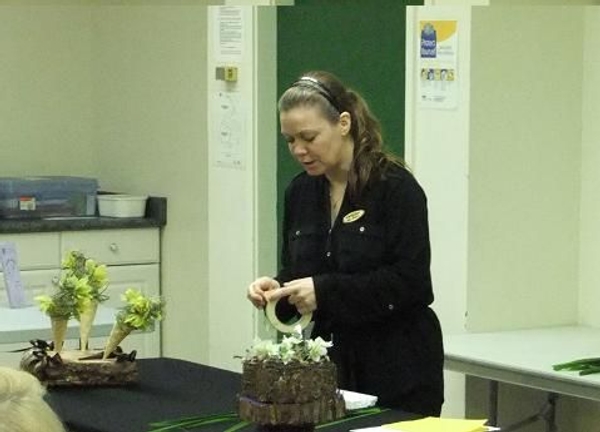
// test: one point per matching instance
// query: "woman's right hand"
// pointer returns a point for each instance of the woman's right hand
(258, 288)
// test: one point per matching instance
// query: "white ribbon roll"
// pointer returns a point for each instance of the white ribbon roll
(282, 327)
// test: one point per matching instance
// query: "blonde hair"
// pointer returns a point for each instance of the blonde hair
(22, 404)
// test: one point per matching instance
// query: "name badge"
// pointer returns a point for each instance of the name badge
(353, 216)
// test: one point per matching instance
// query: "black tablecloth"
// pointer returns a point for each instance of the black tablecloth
(167, 389)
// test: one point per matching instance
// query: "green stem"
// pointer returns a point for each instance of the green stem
(577, 364)
(186, 423)
(238, 426)
(590, 370)
(191, 422)
(366, 412)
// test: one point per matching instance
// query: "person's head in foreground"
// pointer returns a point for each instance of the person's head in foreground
(22, 404)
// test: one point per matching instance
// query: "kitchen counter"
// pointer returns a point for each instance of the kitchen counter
(129, 246)
(156, 216)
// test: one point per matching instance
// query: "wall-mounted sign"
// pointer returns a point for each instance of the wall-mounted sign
(438, 60)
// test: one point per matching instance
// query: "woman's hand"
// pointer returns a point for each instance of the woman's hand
(258, 289)
(301, 293)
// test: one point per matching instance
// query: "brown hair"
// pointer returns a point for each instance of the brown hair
(326, 91)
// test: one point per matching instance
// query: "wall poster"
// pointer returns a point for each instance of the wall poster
(229, 126)
(438, 51)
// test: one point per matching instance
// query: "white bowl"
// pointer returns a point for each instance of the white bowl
(121, 205)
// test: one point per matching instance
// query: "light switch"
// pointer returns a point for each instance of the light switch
(227, 73)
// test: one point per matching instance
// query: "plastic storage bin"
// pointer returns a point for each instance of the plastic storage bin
(47, 196)
(122, 205)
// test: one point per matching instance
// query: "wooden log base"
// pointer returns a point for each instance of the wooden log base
(301, 415)
(68, 369)
(291, 383)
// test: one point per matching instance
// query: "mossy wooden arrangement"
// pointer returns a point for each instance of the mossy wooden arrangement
(77, 367)
(80, 290)
(290, 386)
(294, 394)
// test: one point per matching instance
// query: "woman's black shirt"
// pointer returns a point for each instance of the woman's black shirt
(372, 285)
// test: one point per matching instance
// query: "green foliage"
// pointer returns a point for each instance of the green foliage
(140, 312)
(77, 265)
(82, 281)
(586, 366)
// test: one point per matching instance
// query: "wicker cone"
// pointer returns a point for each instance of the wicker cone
(117, 334)
(59, 331)
(86, 320)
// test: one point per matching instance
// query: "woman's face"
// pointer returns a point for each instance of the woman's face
(318, 145)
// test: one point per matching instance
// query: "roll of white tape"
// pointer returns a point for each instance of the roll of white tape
(282, 327)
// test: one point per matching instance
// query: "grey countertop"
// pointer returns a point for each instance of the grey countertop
(156, 216)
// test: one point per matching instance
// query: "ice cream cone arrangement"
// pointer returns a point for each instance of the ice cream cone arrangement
(86, 321)
(81, 289)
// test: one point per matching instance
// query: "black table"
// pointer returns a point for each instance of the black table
(168, 389)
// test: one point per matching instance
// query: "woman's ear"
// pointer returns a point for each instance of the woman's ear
(345, 122)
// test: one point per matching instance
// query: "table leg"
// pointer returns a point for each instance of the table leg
(549, 413)
(493, 403)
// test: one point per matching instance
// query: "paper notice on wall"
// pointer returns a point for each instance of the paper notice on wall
(229, 37)
(12, 275)
(438, 60)
(229, 130)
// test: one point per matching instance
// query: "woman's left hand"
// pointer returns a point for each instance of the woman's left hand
(301, 294)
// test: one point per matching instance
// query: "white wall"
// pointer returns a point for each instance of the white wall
(525, 161)
(588, 412)
(45, 81)
(589, 303)
(150, 136)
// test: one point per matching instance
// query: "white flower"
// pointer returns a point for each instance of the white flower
(286, 355)
(291, 348)
(289, 342)
(263, 349)
(317, 349)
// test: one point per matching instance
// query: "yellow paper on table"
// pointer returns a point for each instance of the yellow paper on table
(436, 424)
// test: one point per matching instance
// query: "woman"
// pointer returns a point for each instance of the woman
(22, 407)
(356, 249)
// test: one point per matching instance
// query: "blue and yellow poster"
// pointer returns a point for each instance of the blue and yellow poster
(438, 59)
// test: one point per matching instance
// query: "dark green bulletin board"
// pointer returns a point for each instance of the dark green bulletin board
(362, 42)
